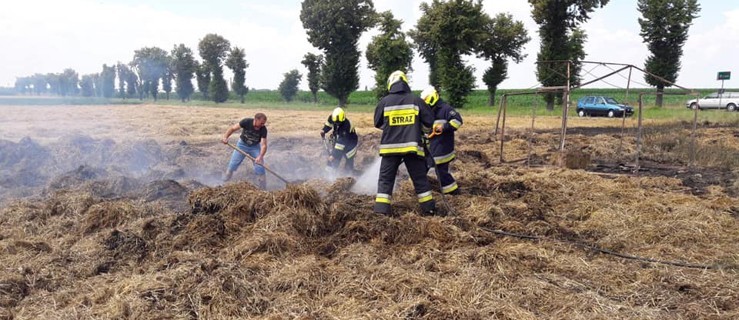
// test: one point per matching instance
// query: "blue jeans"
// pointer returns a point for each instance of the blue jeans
(237, 157)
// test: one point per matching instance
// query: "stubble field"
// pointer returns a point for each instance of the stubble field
(119, 212)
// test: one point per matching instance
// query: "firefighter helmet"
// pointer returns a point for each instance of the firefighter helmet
(338, 115)
(395, 77)
(430, 95)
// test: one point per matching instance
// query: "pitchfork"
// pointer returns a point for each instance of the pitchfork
(255, 163)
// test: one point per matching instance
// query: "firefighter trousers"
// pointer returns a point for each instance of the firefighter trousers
(448, 184)
(416, 167)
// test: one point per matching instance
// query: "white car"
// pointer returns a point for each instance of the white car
(727, 100)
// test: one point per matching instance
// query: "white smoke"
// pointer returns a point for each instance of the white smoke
(367, 182)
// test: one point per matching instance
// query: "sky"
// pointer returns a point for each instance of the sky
(49, 35)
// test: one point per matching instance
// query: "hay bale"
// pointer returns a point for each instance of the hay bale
(213, 200)
(341, 185)
(164, 190)
(276, 243)
(67, 203)
(203, 233)
(112, 187)
(125, 244)
(77, 177)
(12, 291)
(573, 159)
(34, 246)
(108, 214)
(301, 196)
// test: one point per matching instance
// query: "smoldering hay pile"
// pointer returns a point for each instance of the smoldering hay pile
(163, 248)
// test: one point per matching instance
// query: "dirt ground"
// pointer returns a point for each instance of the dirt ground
(120, 212)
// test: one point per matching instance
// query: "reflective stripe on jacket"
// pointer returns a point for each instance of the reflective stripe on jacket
(401, 115)
(346, 136)
(442, 146)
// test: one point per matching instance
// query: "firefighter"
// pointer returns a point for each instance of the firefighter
(401, 116)
(441, 140)
(346, 139)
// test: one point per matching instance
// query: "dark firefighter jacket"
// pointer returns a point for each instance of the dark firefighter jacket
(442, 146)
(346, 136)
(402, 115)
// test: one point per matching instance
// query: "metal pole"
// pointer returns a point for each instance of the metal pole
(623, 120)
(564, 110)
(695, 128)
(500, 109)
(638, 134)
(502, 129)
(531, 134)
(628, 85)
(721, 94)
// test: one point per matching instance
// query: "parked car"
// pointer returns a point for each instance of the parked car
(727, 100)
(602, 106)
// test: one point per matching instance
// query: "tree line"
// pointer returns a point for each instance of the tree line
(445, 35)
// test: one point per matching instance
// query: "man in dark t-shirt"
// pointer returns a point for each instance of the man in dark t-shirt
(253, 141)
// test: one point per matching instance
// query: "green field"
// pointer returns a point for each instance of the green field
(365, 101)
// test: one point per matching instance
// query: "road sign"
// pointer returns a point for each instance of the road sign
(724, 75)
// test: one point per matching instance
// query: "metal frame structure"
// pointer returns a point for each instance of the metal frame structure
(567, 89)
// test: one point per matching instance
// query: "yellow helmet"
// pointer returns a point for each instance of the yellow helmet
(430, 95)
(395, 77)
(338, 115)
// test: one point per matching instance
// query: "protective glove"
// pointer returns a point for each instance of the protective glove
(323, 134)
(436, 131)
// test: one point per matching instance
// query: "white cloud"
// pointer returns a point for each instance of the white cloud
(711, 51)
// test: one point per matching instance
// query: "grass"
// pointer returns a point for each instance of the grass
(365, 101)
(54, 100)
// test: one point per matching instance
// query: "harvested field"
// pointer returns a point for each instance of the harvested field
(119, 212)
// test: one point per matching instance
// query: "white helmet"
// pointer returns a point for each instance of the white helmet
(395, 77)
(430, 95)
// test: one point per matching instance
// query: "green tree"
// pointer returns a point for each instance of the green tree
(132, 83)
(139, 85)
(427, 49)
(184, 66)
(68, 81)
(167, 78)
(202, 73)
(388, 51)
(151, 63)
(218, 86)
(313, 63)
(237, 63)
(335, 26)
(122, 72)
(23, 85)
(54, 85)
(213, 49)
(504, 40)
(446, 32)
(561, 39)
(39, 83)
(664, 28)
(289, 85)
(87, 86)
(97, 81)
(107, 81)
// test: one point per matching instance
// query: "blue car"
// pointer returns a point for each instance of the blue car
(602, 106)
